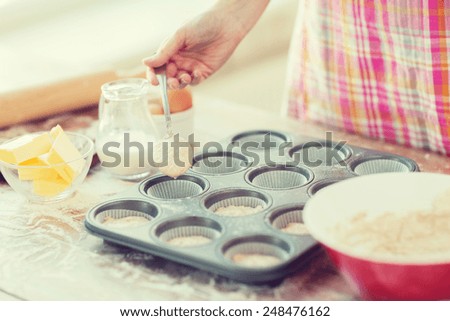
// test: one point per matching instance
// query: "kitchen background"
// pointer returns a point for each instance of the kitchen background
(43, 42)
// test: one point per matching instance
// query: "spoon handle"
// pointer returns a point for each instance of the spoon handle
(161, 75)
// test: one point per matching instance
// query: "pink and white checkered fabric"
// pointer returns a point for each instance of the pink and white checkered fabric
(379, 68)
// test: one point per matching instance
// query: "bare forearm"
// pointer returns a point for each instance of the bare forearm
(202, 45)
(245, 12)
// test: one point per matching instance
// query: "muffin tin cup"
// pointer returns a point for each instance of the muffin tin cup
(181, 222)
(317, 186)
(382, 164)
(232, 202)
(126, 213)
(260, 139)
(320, 153)
(219, 163)
(289, 219)
(167, 188)
(188, 232)
(256, 252)
(279, 176)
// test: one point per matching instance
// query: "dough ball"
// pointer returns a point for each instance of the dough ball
(173, 156)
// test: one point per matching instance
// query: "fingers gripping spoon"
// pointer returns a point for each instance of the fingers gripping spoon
(176, 158)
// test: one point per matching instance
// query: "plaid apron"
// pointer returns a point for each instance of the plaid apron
(379, 68)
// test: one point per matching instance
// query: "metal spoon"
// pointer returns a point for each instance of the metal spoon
(161, 76)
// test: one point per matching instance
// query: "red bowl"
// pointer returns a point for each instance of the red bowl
(387, 281)
(376, 277)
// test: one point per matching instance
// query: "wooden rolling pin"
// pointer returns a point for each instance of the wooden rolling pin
(40, 102)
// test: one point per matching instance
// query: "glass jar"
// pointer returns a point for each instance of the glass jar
(126, 132)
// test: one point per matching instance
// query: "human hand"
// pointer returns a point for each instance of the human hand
(201, 46)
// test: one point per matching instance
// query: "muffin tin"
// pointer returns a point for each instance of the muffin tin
(273, 171)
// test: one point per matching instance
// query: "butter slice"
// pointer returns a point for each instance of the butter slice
(64, 156)
(25, 148)
(55, 131)
(32, 173)
(43, 187)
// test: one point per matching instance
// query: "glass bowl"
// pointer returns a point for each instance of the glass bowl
(42, 190)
